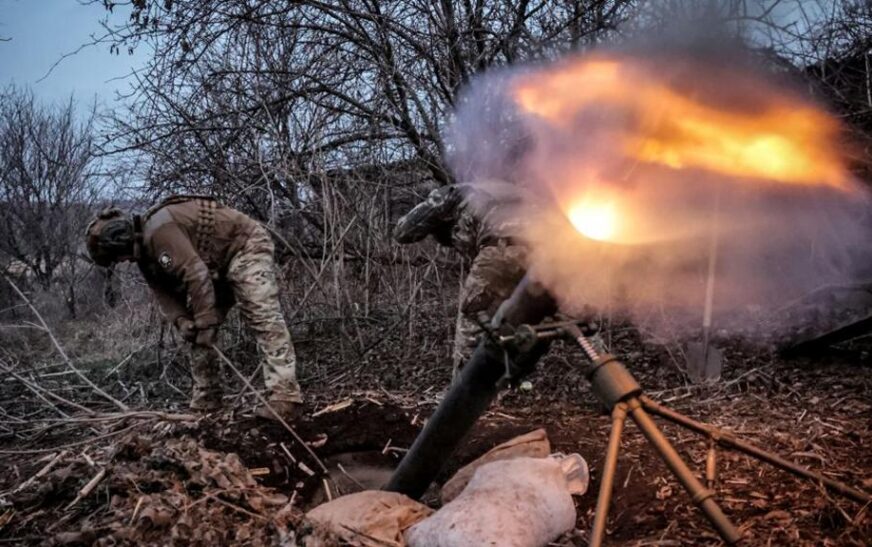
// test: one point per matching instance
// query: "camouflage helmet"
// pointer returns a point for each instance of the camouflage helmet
(109, 236)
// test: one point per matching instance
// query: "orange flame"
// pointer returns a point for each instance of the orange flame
(786, 141)
(781, 139)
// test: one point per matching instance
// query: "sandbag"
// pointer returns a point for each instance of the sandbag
(371, 518)
(522, 502)
(534, 444)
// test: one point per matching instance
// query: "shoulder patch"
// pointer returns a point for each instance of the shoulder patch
(165, 260)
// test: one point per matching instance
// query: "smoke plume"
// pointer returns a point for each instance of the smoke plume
(639, 168)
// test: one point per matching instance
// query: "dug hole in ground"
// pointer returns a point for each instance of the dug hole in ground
(516, 494)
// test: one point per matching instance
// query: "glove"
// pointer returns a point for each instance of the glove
(206, 337)
(186, 328)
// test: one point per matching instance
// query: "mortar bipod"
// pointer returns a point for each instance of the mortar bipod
(616, 387)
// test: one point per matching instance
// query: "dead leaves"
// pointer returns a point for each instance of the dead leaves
(173, 489)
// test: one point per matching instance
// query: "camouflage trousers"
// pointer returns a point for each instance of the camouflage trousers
(252, 277)
(494, 273)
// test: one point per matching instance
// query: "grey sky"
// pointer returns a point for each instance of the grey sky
(41, 31)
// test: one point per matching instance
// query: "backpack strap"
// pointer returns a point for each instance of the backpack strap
(179, 198)
(137, 237)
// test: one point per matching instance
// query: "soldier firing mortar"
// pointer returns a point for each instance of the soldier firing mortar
(497, 260)
(199, 258)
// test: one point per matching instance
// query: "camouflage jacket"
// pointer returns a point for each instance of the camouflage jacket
(182, 245)
(465, 216)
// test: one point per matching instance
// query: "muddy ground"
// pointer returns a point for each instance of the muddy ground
(182, 481)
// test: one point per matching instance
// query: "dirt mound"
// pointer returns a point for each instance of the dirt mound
(154, 491)
(216, 481)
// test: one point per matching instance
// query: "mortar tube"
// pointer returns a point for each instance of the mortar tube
(473, 392)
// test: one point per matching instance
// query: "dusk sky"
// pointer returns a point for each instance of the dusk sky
(41, 32)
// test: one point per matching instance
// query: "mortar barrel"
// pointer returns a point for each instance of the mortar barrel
(472, 392)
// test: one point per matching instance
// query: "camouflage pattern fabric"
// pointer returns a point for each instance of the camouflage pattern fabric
(495, 272)
(447, 214)
(205, 371)
(466, 218)
(252, 276)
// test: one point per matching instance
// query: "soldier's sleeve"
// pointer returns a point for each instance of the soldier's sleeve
(170, 305)
(176, 256)
(430, 217)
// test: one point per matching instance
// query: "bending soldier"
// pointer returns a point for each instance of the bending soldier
(498, 262)
(199, 258)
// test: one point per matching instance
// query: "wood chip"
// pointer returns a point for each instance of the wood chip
(334, 407)
(136, 510)
(319, 441)
(6, 517)
(306, 469)
(777, 515)
(259, 471)
(288, 453)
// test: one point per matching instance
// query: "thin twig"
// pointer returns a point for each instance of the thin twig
(61, 351)
(264, 402)
(70, 445)
(38, 390)
(42, 472)
(88, 488)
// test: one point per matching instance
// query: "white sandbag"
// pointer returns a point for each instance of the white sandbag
(371, 518)
(534, 444)
(522, 502)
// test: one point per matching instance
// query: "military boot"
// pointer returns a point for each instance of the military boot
(286, 405)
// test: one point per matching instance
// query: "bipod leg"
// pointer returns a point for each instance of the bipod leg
(729, 441)
(604, 498)
(701, 496)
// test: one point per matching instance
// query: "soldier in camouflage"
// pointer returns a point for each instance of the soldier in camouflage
(462, 216)
(200, 258)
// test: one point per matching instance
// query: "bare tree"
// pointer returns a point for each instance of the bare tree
(308, 113)
(46, 188)
(287, 81)
(325, 118)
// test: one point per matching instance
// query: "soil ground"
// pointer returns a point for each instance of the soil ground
(814, 410)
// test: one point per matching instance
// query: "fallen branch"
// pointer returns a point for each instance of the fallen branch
(156, 414)
(61, 351)
(41, 473)
(38, 390)
(73, 444)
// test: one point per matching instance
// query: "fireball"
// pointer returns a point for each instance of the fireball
(594, 220)
(657, 141)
